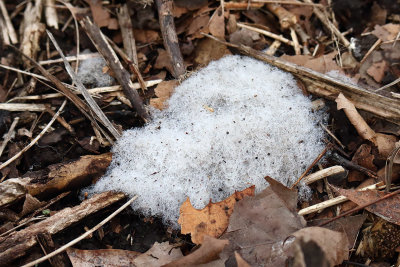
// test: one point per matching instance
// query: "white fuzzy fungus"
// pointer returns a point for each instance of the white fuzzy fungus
(226, 127)
(90, 72)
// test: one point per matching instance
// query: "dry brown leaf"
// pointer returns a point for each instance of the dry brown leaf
(163, 60)
(259, 225)
(101, 257)
(198, 24)
(386, 32)
(244, 37)
(191, 5)
(178, 11)
(101, 16)
(334, 245)
(377, 70)
(387, 209)
(158, 255)
(364, 158)
(385, 143)
(145, 36)
(322, 64)
(212, 220)
(208, 252)
(208, 50)
(163, 91)
(349, 225)
(216, 25)
(11, 190)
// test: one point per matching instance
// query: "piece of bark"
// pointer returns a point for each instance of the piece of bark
(55, 179)
(115, 65)
(32, 30)
(16, 245)
(170, 37)
(63, 177)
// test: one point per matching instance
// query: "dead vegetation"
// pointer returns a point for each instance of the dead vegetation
(58, 130)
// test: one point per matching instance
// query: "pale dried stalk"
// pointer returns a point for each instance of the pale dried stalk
(93, 91)
(273, 47)
(372, 48)
(295, 41)
(286, 18)
(311, 178)
(266, 33)
(9, 135)
(83, 236)
(5, 164)
(10, 29)
(51, 14)
(70, 58)
(89, 99)
(331, 202)
(4, 32)
(388, 85)
(22, 107)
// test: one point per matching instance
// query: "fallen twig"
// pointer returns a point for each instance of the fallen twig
(112, 60)
(17, 244)
(170, 37)
(360, 207)
(331, 202)
(83, 236)
(323, 173)
(89, 99)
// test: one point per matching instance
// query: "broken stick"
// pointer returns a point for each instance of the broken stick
(123, 76)
(170, 37)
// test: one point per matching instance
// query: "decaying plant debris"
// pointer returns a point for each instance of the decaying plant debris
(57, 130)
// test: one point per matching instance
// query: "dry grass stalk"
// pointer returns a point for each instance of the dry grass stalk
(328, 24)
(115, 65)
(8, 24)
(9, 135)
(18, 244)
(51, 14)
(89, 99)
(267, 33)
(321, 174)
(332, 202)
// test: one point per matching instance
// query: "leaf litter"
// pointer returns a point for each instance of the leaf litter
(42, 177)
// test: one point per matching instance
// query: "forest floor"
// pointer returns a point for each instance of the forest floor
(60, 116)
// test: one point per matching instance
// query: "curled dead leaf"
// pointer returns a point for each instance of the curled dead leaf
(212, 220)
(163, 91)
(327, 246)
